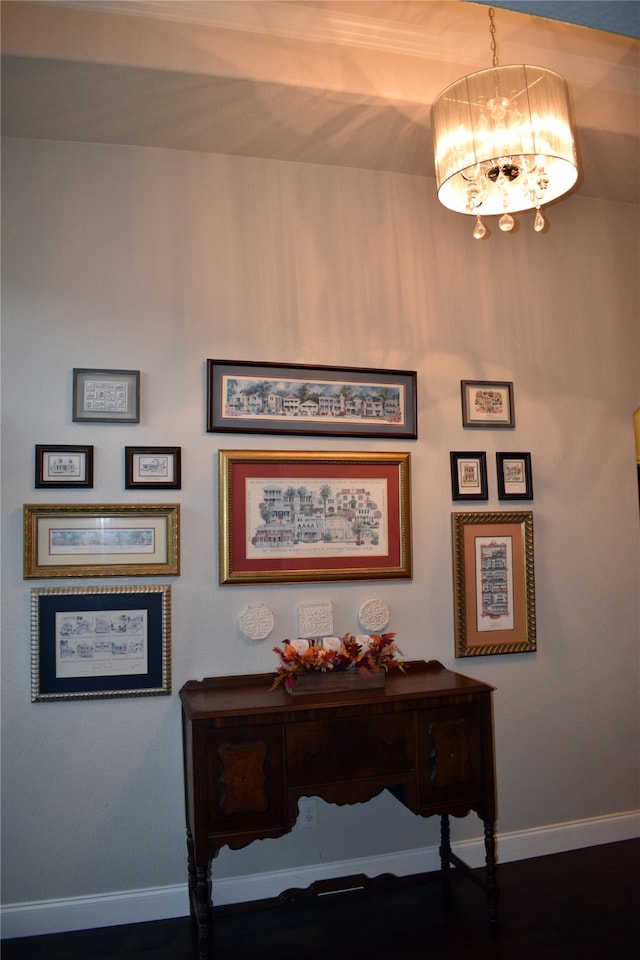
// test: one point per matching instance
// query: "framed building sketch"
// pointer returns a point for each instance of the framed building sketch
(150, 468)
(64, 465)
(96, 642)
(487, 403)
(469, 476)
(106, 396)
(515, 480)
(101, 540)
(494, 584)
(250, 397)
(294, 516)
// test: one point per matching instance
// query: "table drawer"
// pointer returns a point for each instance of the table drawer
(352, 749)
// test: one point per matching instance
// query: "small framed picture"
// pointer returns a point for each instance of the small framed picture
(96, 642)
(152, 467)
(487, 403)
(62, 465)
(469, 476)
(514, 476)
(106, 396)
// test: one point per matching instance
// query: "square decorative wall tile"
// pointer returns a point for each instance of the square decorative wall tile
(315, 618)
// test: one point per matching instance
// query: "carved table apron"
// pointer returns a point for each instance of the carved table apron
(251, 752)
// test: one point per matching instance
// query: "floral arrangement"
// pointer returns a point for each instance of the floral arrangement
(374, 654)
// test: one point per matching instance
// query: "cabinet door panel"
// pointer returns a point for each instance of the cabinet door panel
(452, 762)
(244, 779)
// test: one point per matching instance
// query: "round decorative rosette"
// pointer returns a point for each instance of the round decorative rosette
(374, 615)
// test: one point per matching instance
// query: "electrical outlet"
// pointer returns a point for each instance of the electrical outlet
(308, 811)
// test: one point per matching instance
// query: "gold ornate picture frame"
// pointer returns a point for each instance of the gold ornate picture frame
(291, 516)
(101, 540)
(494, 583)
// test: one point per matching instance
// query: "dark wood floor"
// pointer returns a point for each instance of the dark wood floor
(583, 905)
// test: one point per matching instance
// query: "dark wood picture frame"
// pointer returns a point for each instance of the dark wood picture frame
(63, 465)
(487, 403)
(515, 480)
(469, 475)
(252, 397)
(106, 396)
(153, 468)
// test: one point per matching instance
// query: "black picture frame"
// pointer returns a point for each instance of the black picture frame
(106, 396)
(153, 468)
(99, 642)
(337, 401)
(469, 475)
(515, 478)
(63, 465)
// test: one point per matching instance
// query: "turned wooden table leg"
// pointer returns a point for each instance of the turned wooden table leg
(202, 907)
(445, 842)
(490, 865)
(191, 868)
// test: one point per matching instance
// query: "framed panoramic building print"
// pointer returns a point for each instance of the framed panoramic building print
(287, 517)
(494, 586)
(94, 642)
(249, 397)
(106, 540)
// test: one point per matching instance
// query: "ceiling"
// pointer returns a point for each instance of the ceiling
(344, 83)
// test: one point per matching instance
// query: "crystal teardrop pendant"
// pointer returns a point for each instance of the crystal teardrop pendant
(539, 222)
(479, 230)
(506, 222)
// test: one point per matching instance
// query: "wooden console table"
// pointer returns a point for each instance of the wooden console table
(250, 753)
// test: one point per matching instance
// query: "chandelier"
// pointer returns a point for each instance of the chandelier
(503, 142)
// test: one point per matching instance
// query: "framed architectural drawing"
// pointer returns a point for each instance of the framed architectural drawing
(487, 403)
(494, 584)
(106, 540)
(248, 397)
(469, 476)
(106, 396)
(515, 481)
(64, 465)
(288, 517)
(96, 642)
(150, 468)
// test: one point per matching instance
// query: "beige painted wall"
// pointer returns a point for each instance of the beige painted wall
(156, 260)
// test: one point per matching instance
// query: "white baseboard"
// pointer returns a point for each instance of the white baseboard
(162, 903)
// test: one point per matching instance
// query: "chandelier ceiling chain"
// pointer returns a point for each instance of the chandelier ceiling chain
(492, 31)
(503, 141)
